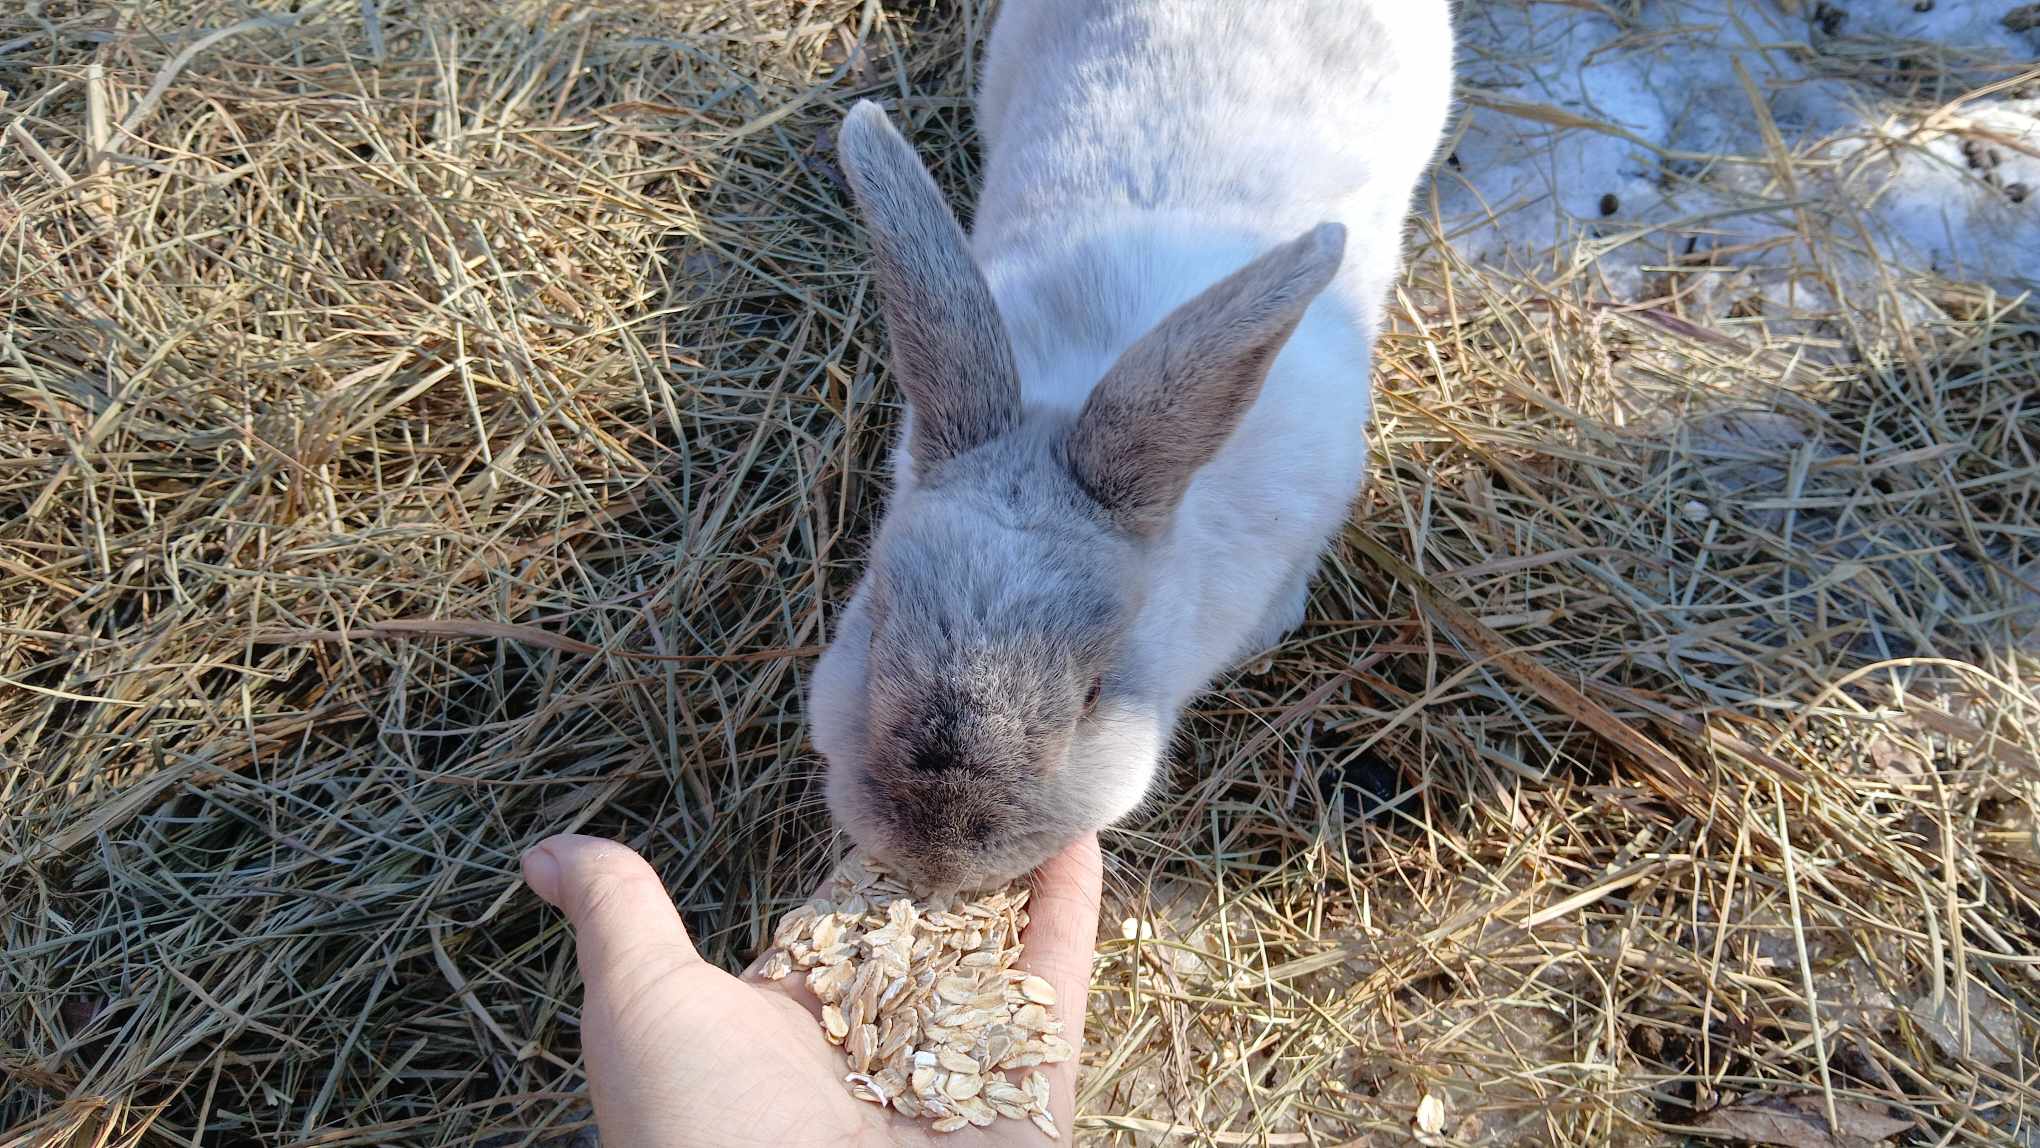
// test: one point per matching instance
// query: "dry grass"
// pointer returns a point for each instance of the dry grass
(430, 426)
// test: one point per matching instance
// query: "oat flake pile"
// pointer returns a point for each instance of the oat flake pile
(924, 999)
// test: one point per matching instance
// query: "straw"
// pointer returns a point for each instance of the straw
(430, 427)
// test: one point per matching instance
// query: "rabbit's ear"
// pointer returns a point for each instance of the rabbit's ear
(1173, 398)
(949, 347)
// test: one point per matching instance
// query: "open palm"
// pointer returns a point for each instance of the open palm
(680, 1052)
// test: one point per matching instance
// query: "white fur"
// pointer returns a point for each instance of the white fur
(1196, 103)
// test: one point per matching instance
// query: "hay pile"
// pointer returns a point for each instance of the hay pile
(431, 426)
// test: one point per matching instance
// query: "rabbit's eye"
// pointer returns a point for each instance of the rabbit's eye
(1091, 695)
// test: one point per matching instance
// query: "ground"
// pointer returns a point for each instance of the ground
(430, 426)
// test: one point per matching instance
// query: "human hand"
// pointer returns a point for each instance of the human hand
(680, 1053)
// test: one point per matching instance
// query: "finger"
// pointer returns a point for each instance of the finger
(1062, 930)
(619, 908)
(1061, 939)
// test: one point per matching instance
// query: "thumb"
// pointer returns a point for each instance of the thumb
(635, 1013)
(619, 908)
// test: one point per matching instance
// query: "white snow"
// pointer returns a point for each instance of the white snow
(1590, 126)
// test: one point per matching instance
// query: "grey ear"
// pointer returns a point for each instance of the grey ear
(949, 347)
(1174, 397)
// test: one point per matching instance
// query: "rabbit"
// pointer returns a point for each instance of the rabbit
(1137, 401)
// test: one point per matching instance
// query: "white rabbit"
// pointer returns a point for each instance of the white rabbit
(1137, 401)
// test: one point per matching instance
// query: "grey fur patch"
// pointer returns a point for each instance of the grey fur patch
(997, 600)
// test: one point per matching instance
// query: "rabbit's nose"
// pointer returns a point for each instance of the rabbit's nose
(935, 874)
(939, 881)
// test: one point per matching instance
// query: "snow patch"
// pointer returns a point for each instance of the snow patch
(1710, 136)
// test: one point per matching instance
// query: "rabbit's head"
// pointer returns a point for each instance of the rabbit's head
(983, 703)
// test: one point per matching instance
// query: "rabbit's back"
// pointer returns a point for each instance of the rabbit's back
(1276, 114)
(1138, 151)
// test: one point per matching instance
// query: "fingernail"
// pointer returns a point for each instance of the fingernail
(542, 873)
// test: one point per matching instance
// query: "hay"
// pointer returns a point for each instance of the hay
(433, 426)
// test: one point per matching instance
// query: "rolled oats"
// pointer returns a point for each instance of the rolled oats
(924, 998)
